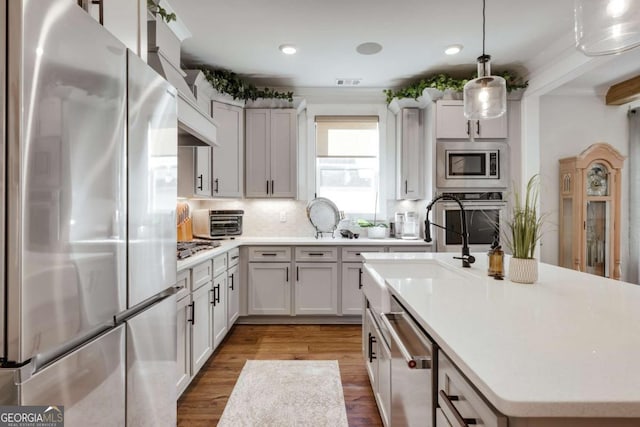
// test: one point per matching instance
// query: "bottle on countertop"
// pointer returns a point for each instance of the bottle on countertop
(496, 261)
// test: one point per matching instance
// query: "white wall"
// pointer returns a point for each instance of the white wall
(568, 125)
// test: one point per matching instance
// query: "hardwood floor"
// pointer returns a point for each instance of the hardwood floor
(204, 400)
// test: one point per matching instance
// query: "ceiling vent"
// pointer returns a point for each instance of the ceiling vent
(348, 82)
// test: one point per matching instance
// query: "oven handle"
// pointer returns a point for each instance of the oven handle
(413, 362)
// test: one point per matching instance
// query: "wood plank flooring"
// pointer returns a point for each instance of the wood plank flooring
(204, 400)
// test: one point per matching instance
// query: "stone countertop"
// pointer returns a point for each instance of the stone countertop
(227, 245)
(566, 346)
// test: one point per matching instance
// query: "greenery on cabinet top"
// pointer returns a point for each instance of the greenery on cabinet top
(159, 10)
(444, 82)
(230, 83)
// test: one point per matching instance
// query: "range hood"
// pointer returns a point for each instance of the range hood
(195, 127)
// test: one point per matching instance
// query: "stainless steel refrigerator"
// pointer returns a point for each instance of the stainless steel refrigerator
(88, 207)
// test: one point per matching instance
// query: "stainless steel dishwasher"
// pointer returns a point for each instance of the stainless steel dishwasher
(411, 368)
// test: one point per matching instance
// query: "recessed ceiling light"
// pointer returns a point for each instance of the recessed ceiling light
(288, 49)
(453, 49)
(369, 48)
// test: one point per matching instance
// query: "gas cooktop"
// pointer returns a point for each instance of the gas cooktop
(192, 247)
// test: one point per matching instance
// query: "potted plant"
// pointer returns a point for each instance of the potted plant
(374, 231)
(522, 234)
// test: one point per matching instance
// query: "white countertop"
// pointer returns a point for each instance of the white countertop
(294, 241)
(566, 346)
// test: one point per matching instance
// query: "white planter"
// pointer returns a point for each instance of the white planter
(523, 270)
(376, 232)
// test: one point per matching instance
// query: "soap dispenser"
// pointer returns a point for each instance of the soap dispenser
(496, 261)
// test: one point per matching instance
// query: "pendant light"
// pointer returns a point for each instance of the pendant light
(606, 27)
(485, 97)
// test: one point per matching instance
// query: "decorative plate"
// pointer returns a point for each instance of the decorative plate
(323, 214)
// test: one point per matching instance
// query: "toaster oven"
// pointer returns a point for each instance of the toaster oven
(215, 224)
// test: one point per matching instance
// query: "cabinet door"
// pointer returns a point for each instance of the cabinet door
(371, 349)
(352, 288)
(233, 295)
(257, 164)
(491, 128)
(411, 154)
(183, 311)
(316, 290)
(201, 336)
(194, 171)
(384, 382)
(228, 159)
(269, 288)
(450, 121)
(283, 153)
(219, 306)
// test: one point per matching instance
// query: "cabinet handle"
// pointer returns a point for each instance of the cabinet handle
(231, 277)
(297, 274)
(287, 274)
(193, 313)
(201, 182)
(372, 354)
(316, 254)
(272, 188)
(217, 185)
(459, 420)
(235, 257)
(406, 186)
(468, 128)
(360, 278)
(218, 297)
(269, 254)
(478, 127)
(267, 186)
(357, 253)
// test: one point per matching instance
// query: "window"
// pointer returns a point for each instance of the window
(347, 164)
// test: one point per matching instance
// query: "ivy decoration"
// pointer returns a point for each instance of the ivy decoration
(230, 83)
(156, 9)
(444, 82)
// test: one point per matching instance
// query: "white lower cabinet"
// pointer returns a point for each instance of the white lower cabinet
(352, 288)
(383, 394)
(233, 295)
(183, 365)
(201, 336)
(269, 288)
(316, 288)
(371, 348)
(219, 308)
(441, 420)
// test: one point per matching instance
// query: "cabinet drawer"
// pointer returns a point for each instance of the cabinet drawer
(201, 274)
(353, 253)
(467, 402)
(219, 265)
(316, 253)
(183, 284)
(270, 253)
(233, 257)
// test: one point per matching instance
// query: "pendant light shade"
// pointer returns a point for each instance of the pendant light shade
(485, 97)
(606, 27)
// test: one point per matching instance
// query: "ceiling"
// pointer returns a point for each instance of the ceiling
(244, 35)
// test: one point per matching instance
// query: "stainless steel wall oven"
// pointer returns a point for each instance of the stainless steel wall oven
(485, 213)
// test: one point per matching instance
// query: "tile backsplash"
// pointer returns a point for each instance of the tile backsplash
(263, 218)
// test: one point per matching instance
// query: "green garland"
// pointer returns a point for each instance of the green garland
(228, 82)
(157, 9)
(443, 82)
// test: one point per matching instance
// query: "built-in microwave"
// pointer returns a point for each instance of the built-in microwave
(463, 165)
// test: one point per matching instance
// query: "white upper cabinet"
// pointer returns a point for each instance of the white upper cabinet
(452, 124)
(228, 156)
(194, 171)
(411, 154)
(271, 142)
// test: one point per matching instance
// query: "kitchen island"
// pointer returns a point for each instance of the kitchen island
(562, 352)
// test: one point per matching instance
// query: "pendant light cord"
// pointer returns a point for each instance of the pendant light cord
(484, 5)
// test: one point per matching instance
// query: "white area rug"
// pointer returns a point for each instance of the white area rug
(287, 393)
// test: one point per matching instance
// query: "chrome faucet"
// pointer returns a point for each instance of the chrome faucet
(466, 258)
